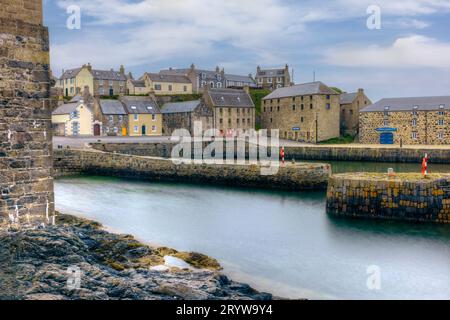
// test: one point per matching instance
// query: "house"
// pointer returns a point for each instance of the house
(144, 116)
(306, 112)
(273, 79)
(216, 79)
(110, 118)
(73, 119)
(136, 87)
(166, 84)
(183, 115)
(411, 121)
(99, 82)
(234, 110)
(351, 105)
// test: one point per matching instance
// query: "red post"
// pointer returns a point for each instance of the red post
(425, 165)
(282, 155)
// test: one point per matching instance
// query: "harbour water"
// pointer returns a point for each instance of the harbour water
(279, 242)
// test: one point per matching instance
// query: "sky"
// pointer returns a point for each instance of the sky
(408, 55)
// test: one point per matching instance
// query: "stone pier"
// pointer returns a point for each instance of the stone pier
(406, 197)
(26, 185)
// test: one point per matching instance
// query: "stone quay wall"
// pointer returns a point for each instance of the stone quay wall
(26, 184)
(404, 197)
(293, 177)
(321, 153)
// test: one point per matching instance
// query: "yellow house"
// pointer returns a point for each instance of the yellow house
(137, 87)
(144, 116)
(73, 119)
(162, 84)
(100, 82)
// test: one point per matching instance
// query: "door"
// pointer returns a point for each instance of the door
(387, 138)
(96, 129)
(144, 130)
(111, 92)
(124, 131)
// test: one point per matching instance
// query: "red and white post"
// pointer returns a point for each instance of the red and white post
(282, 154)
(425, 165)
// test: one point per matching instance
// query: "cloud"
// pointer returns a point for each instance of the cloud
(408, 52)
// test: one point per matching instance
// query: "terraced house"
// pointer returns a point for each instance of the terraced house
(411, 121)
(99, 82)
(73, 119)
(165, 84)
(234, 111)
(216, 79)
(306, 112)
(273, 79)
(144, 116)
(110, 118)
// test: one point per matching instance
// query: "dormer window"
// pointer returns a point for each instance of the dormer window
(219, 77)
(442, 106)
(149, 108)
(133, 107)
(203, 75)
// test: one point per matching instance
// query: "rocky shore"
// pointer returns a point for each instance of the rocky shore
(77, 259)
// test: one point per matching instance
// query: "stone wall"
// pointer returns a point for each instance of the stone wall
(290, 177)
(313, 152)
(424, 125)
(26, 185)
(405, 197)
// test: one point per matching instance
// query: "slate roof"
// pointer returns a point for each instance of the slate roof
(408, 104)
(112, 107)
(140, 105)
(301, 90)
(238, 78)
(347, 98)
(138, 83)
(230, 98)
(76, 98)
(172, 78)
(66, 108)
(180, 107)
(97, 74)
(270, 73)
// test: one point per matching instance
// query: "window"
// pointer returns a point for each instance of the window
(386, 123)
(415, 113)
(237, 121)
(414, 135)
(121, 118)
(111, 118)
(136, 129)
(303, 107)
(302, 119)
(219, 85)
(278, 108)
(293, 99)
(293, 107)
(269, 80)
(136, 117)
(264, 109)
(170, 87)
(414, 123)
(238, 111)
(279, 79)
(219, 77)
(100, 82)
(153, 117)
(158, 87)
(221, 110)
(271, 109)
(203, 75)
(184, 88)
(211, 84)
(328, 97)
(441, 113)
(229, 122)
(311, 106)
(74, 115)
(221, 121)
(271, 120)
(440, 135)
(203, 83)
(153, 128)
(441, 122)
(260, 80)
(116, 130)
(101, 91)
(328, 106)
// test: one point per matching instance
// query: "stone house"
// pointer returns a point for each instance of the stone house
(144, 116)
(412, 121)
(73, 120)
(183, 115)
(234, 110)
(215, 79)
(306, 112)
(26, 182)
(351, 105)
(273, 79)
(110, 118)
(136, 87)
(166, 84)
(99, 82)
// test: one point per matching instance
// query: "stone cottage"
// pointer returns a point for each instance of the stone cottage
(234, 110)
(183, 115)
(306, 112)
(144, 116)
(411, 121)
(273, 79)
(110, 118)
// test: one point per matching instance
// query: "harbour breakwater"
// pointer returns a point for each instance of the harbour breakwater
(290, 176)
(312, 152)
(406, 197)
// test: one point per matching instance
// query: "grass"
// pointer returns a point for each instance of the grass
(345, 139)
(257, 96)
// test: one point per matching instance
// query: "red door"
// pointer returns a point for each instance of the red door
(96, 129)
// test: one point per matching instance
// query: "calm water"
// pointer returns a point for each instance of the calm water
(283, 243)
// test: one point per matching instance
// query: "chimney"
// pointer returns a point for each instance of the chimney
(122, 70)
(89, 67)
(192, 66)
(86, 94)
(361, 91)
(258, 69)
(217, 69)
(247, 89)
